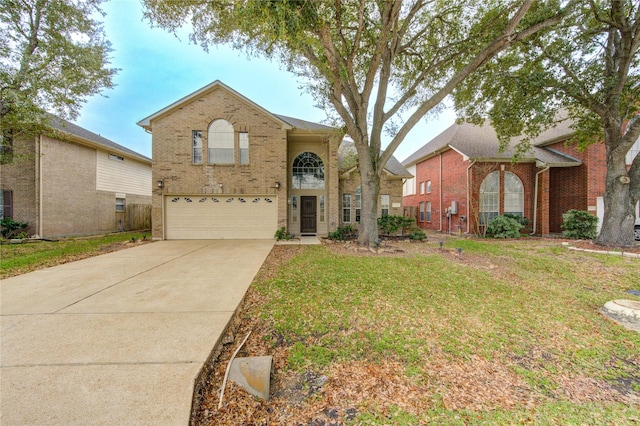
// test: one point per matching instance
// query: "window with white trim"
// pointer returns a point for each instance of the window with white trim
(422, 211)
(358, 203)
(322, 208)
(513, 195)
(346, 208)
(427, 209)
(421, 188)
(428, 187)
(120, 204)
(116, 157)
(308, 171)
(384, 204)
(196, 137)
(633, 152)
(294, 208)
(243, 144)
(221, 143)
(490, 197)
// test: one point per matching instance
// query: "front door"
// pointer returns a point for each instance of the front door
(308, 215)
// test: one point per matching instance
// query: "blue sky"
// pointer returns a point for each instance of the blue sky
(157, 69)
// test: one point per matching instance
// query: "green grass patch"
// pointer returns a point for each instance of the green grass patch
(21, 258)
(528, 308)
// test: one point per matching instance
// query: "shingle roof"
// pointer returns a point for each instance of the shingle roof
(481, 143)
(393, 166)
(69, 128)
(303, 124)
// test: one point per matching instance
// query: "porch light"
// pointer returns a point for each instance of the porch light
(276, 185)
(161, 183)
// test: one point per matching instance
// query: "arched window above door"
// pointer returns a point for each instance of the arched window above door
(308, 171)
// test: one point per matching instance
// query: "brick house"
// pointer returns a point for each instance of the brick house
(227, 168)
(70, 182)
(462, 180)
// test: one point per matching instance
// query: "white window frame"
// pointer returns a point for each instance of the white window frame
(421, 217)
(427, 211)
(421, 188)
(121, 205)
(385, 203)
(294, 209)
(427, 188)
(489, 200)
(243, 145)
(513, 195)
(115, 157)
(346, 208)
(221, 140)
(196, 143)
(358, 203)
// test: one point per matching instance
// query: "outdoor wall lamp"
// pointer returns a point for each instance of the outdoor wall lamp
(220, 185)
(161, 183)
(276, 185)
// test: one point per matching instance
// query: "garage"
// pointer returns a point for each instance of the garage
(191, 217)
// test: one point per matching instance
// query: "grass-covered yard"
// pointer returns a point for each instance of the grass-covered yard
(18, 259)
(509, 332)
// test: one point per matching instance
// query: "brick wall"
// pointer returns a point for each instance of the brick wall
(19, 176)
(172, 153)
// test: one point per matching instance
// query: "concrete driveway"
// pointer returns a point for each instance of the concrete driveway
(119, 338)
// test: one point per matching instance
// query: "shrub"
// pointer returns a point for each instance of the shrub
(343, 233)
(504, 227)
(579, 225)
(391, 224)
(10, 228)
(282, 234)
(417, 234)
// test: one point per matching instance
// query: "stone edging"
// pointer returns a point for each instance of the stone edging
(613, 253)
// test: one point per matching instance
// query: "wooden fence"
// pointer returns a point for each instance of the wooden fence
(138, 217)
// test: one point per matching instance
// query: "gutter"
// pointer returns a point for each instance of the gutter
(40, 184)
(535, 201)
(440, 188)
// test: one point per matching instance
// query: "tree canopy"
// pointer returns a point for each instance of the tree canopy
(587, 69)
(380, 66)
(53, 54)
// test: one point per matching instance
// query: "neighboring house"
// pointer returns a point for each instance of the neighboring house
(462, 180)
(227, 168)
(70, 182)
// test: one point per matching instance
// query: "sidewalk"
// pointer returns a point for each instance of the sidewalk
(119, 338)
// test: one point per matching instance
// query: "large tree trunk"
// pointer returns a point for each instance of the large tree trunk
(370, 186)
(619, 205)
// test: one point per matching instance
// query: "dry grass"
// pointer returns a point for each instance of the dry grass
(506, 332)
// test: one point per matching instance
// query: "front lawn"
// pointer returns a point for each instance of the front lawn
(18, 259)
(508, 332)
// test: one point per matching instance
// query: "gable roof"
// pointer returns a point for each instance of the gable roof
(393, 166)
(146, 122)
(480, 143)
(297, 123)
(86, 137)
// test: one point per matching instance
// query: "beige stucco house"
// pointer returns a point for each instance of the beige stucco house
(69, 181)
(225, 167)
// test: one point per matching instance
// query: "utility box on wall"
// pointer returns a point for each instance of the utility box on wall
(454, 207)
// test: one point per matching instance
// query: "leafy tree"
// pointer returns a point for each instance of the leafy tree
(587, 69)
(371, 62)
(52, 56)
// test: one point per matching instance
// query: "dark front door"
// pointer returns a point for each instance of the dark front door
(308, 215)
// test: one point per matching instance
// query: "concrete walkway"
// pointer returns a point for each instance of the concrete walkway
(118, 339)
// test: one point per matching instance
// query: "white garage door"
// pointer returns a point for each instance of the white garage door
(220, 217)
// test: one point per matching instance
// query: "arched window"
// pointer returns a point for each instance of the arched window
(513, 195)
(308, 171)
(489, 197)
(221, 143)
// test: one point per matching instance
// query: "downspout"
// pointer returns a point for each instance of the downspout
(535, 201)
(469, 197)
(440, 190)
(40, 230)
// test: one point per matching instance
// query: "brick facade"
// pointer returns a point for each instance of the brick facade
(274, 144)
(53, 183)
(559, 188)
